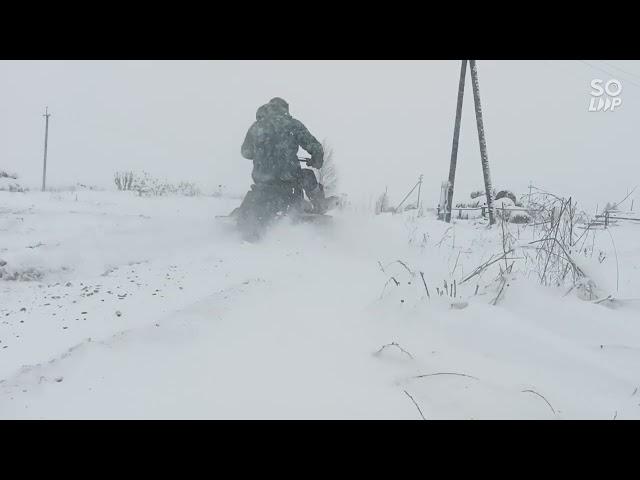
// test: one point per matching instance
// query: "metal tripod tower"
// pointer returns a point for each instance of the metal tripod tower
(481, 137)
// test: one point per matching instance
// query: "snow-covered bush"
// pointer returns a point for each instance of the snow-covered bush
(187, 189)
(9, 183)
(382, 203)
(520, 218)
(503, 208)
(74, 188)
(23, 275)
(551, 256)
(499, 195)
(475, 204)
(504, 195)
(148, 186)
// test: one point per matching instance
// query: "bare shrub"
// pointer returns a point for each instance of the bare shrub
(23, 275)
(187, 189)
(147, 185)
(382, 203)
(560, 232)
(124, 180)
(551, 255)
(328, 174)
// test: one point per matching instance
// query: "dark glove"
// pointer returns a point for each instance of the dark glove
(316, 162)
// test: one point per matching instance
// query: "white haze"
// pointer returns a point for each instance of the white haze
(388, 122)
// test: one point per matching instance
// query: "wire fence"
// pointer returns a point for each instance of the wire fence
(484, 210)
(605, 219)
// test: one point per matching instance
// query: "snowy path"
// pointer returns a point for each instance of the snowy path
(210, 327)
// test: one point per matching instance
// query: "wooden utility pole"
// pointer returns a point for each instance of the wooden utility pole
(454, 148)
(46, 138)
(483, 142)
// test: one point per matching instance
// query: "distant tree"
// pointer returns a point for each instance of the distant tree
(328, 174)
(382, 203)
(8, 182)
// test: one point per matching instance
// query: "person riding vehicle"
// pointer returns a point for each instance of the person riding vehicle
(272, 143)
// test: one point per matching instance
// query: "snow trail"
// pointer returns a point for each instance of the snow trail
(188, 321)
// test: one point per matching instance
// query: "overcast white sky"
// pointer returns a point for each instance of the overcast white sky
(388, 122)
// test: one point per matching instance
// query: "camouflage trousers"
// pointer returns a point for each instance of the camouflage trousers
(289, 192)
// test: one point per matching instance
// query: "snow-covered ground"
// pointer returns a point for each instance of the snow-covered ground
(115, 306)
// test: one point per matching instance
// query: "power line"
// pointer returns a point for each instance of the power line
(634, 75)
(607, 72)
(595, 67)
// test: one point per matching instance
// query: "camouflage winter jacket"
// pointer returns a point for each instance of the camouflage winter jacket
(272, 143)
